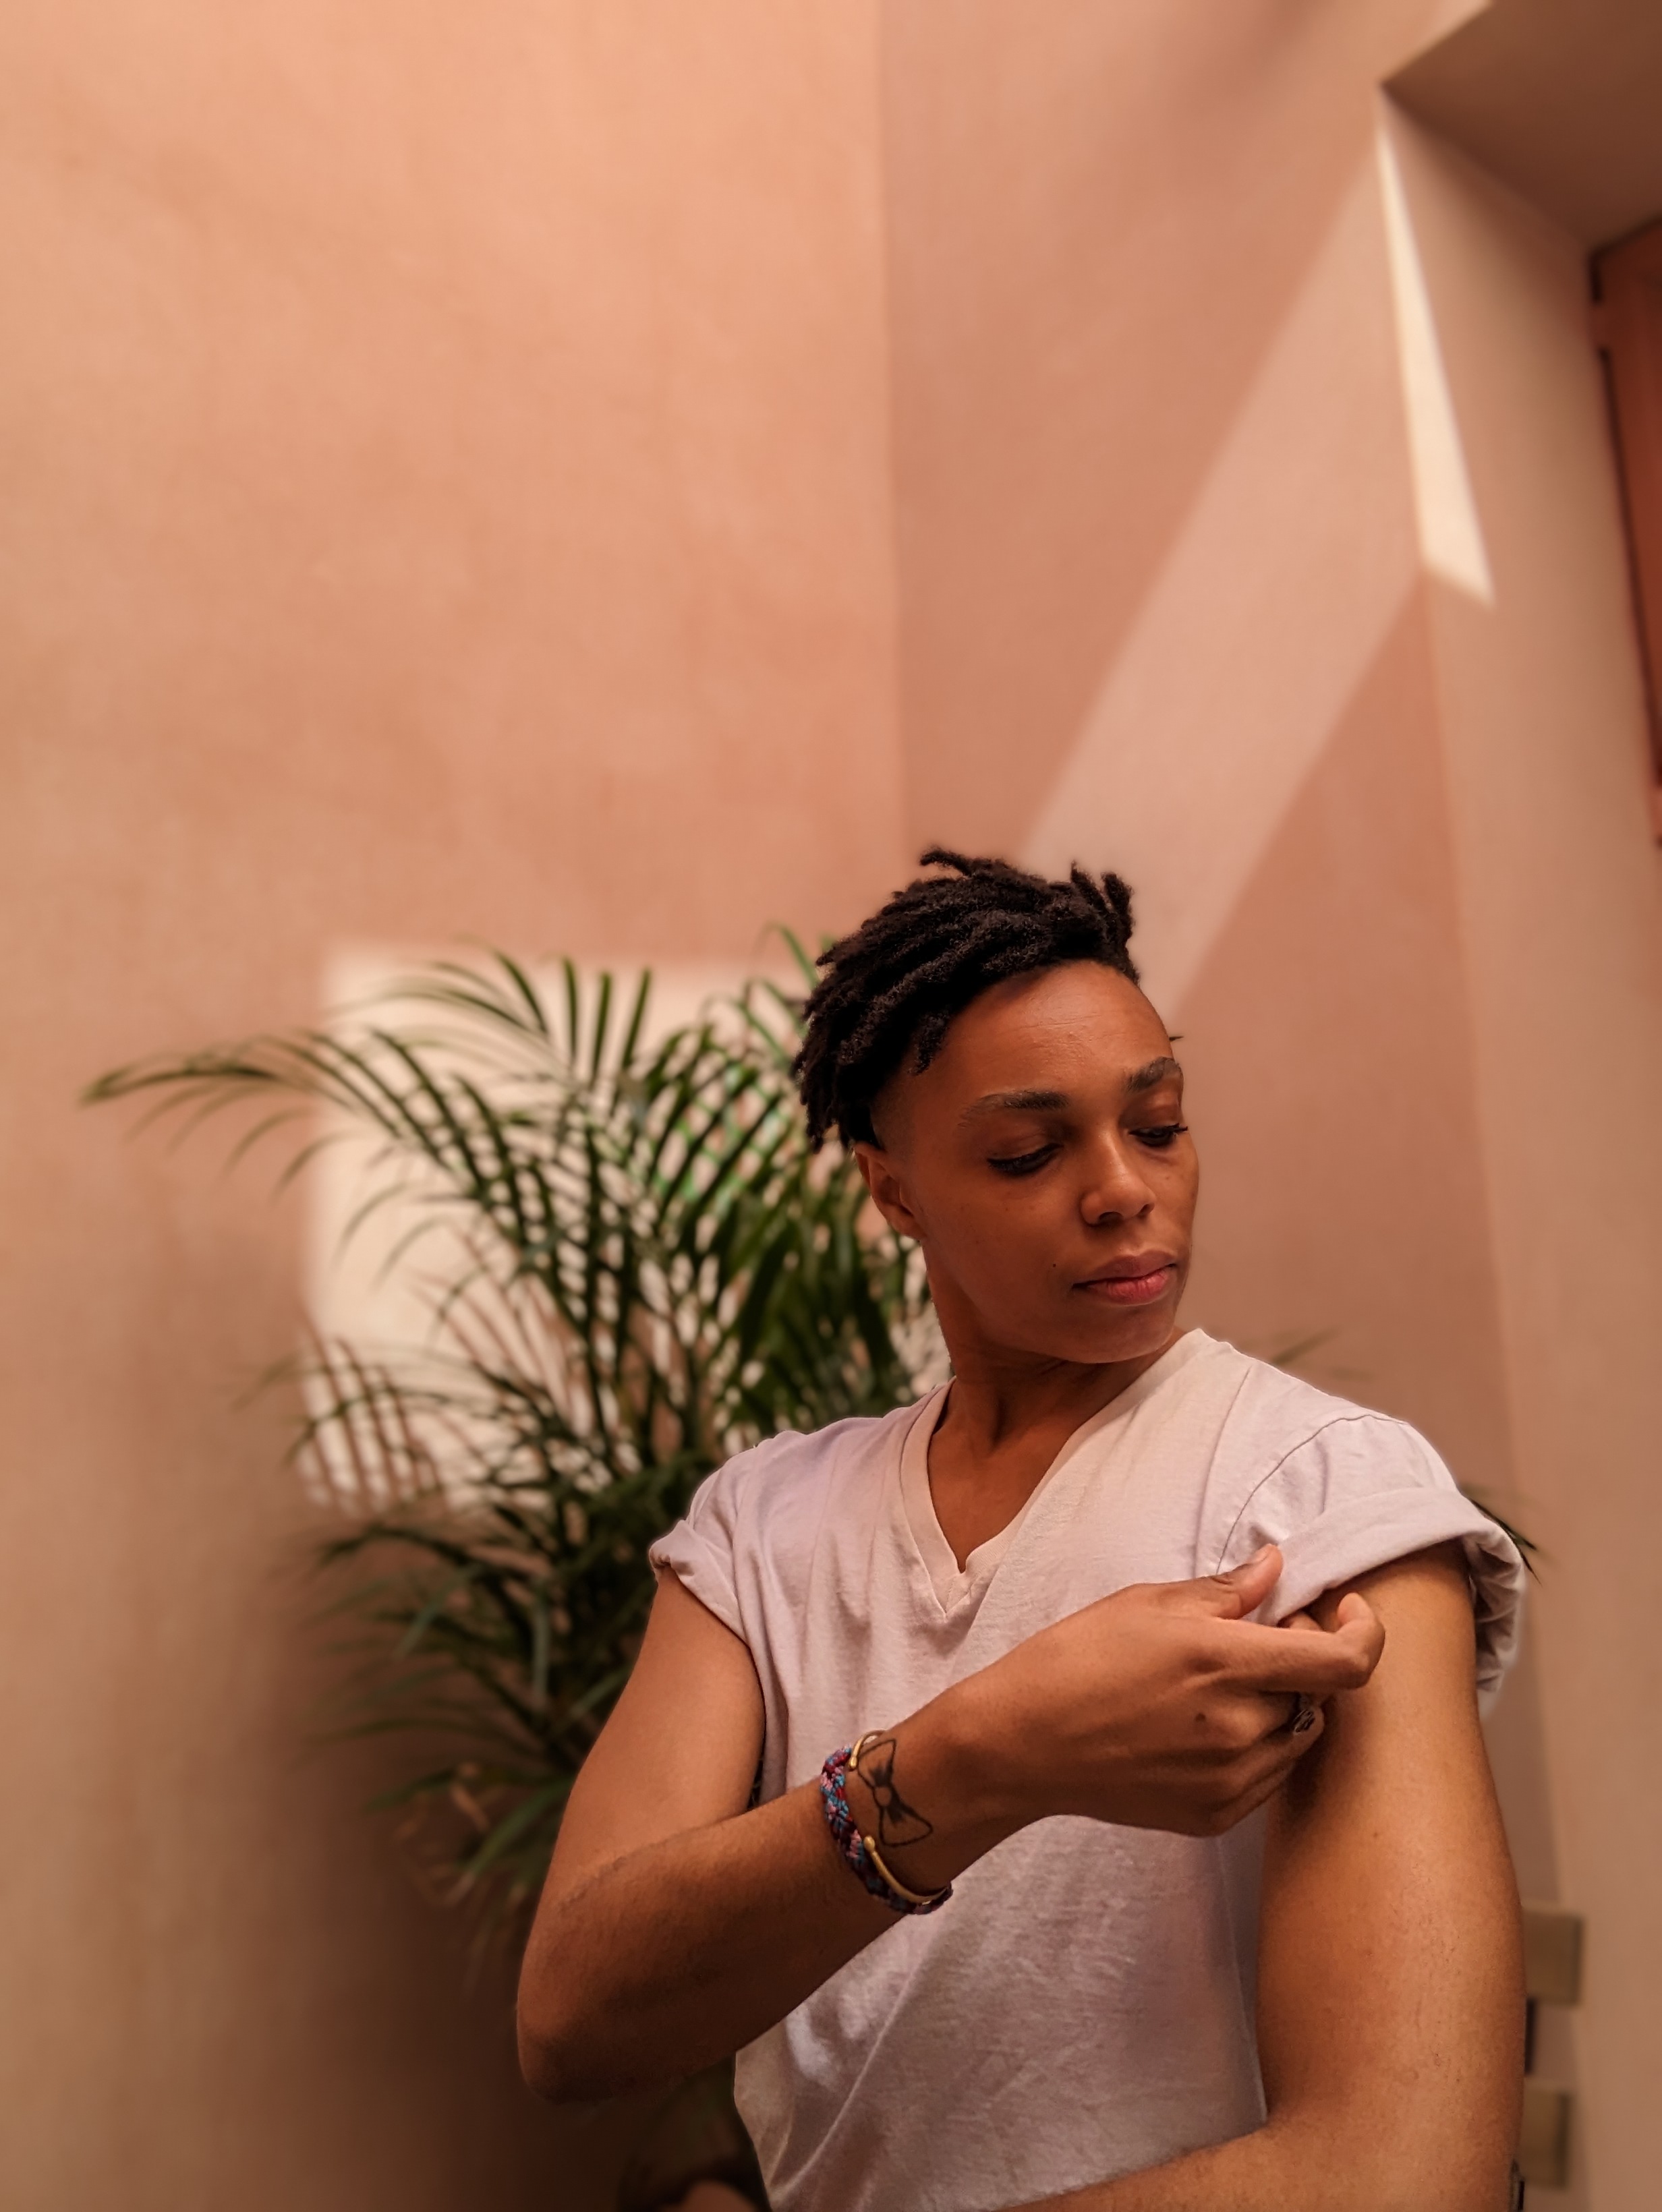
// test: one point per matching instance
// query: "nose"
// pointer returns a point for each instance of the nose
(1116, 1190)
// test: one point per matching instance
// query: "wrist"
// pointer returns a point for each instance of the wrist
(948, 1743)
(942, 1809)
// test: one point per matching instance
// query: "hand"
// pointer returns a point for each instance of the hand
(1159, 1707)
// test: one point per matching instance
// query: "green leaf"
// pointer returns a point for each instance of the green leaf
(648, 1271)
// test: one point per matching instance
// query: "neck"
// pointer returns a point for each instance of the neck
(1000, 1395)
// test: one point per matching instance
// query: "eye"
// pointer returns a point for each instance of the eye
(1024, 1164)
(1162, 1135)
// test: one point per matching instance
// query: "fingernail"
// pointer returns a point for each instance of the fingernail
(1262, 1552)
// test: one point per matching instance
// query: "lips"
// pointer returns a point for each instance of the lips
(1137, 1281)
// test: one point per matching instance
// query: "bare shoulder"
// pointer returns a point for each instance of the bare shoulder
(1425, 1604)
(1417, 1721)
(681, 1746)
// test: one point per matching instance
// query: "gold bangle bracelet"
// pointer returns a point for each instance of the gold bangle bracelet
(911, 1896)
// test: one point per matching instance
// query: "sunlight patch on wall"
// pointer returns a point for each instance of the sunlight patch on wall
(1451, 532)
(356, 1286)
(443, 1325)
(1293, 562)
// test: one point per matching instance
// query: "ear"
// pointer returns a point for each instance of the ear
(879, 1174)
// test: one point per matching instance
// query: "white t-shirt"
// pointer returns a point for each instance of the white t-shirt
(1083, 2007)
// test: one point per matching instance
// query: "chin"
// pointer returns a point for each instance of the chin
(1111, 1338)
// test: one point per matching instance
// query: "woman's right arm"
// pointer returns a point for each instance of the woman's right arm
(676, 1925)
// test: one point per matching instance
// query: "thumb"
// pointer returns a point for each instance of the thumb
(1233, 1595)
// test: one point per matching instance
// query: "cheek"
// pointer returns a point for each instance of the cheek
(1179, 1189)
(1000, 1240)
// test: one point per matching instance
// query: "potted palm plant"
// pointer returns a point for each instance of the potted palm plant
(628, 1266)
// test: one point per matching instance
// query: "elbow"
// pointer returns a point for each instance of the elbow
(560, 2056)
(569, 2054)
(543, 2061)
(557, 2068)
(559, 2047)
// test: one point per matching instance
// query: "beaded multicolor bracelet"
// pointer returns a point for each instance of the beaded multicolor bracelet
(860, 1851)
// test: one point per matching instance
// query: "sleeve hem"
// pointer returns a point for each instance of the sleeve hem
(700, 1568)
(1371, 1532)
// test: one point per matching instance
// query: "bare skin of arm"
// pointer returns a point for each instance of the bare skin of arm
(1390, 2004)
(676, 1926)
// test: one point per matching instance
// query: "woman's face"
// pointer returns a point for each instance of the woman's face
(1042, 1162)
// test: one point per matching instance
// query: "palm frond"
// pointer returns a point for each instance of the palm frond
(632, 1266)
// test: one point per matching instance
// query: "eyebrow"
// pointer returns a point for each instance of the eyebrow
(1157, 1071)
(1046, 1102)
(1018, 1102)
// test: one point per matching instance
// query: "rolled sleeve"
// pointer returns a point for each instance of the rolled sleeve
(1361, 1492)
(702, 1566)
(703, 1550)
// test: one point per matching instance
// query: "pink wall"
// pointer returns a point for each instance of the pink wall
(447, 491)
(1163, 591)
(1548, 768)
(606, 478)
(1258, 533)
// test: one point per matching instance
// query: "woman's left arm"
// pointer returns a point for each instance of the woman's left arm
(1390, 1999)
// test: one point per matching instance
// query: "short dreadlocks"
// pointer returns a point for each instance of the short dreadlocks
(892, 989)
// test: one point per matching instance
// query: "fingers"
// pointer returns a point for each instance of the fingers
(1265, 1785)
(1358, 1622)
(1300, 1730)
(1317, 1660)
(1252, 1718)
(1256, 1776)
(1233, 1595)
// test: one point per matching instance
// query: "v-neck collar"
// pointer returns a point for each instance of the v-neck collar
(953, 1584)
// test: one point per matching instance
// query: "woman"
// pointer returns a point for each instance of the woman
(955, 1789)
